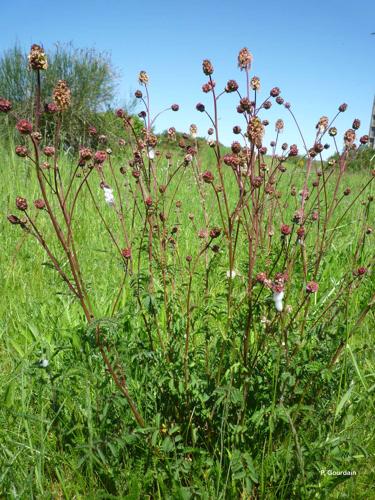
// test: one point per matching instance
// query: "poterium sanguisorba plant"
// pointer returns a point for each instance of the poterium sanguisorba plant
(262, 228)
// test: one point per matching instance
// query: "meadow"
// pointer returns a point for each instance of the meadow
(215, 342)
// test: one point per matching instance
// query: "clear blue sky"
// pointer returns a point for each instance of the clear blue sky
(319, 53)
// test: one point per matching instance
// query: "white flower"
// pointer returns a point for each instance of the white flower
(108, 195)
(232, 274)
(278, 300)
(151, 153)
(43, 363)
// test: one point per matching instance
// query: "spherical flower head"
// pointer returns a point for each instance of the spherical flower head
(360, 271)
(188, 258)
(49, 151)
(285, 229)
(332, 131)
(148, 202)
(318, 147)
(287, 105)
(231, 86)
(245, 59)
(61, 95)
(50, 108)
(5, 105)
(301, 232)
(315, 183)
(200, 107)
(356, 124)
(143, 78)
(120, 113)
(37, 58)
(138, 94)
(293, 150)
(85, 154)
(24, 127)
(275, 91)
(208, 177)
(215, 232)
(100, 157)
(267, 104)
(236, 147)
(279, 100)
(207, 67)
(13, 219)
(175, 107)
(284, 146)
(347, 191)
(312, 287)
(21, 151)
(343, 107)
(210, 131)
(39, 204)
(21, 203)
(255, 83)
(279, 125)
(364, 139)
(126, 253)
(207, 87)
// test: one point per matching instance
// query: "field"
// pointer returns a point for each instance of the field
(185, 320)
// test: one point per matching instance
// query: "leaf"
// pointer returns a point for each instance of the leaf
(343, 400)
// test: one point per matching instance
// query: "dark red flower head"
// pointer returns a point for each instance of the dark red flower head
(285, 229)
(40, 204)
(207, 67)
(231, 86)
(175, 107)
(49, 150)
(5, 105)
(293, 150)
(364, 139)
(343, 107)
(126, 253)
(200, 107)
(275, 92)
(148, 201)
(24, 127)
(100, 157)
(215, 232)
(50, 108)
(208, 177)
(21, 151)
(312, 287)
(21, 203)
(356, 124)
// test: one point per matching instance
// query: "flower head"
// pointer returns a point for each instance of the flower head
(5, 105)
(245, 59)
(24, 127)
(312, 287)
(37, 58)
(61, 95)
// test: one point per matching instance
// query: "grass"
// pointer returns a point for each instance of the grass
(66, 433)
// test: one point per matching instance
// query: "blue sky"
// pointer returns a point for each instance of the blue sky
(319, 53)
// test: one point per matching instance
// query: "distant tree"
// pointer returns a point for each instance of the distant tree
(89, 74)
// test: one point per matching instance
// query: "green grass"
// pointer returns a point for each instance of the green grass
(66, 433)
